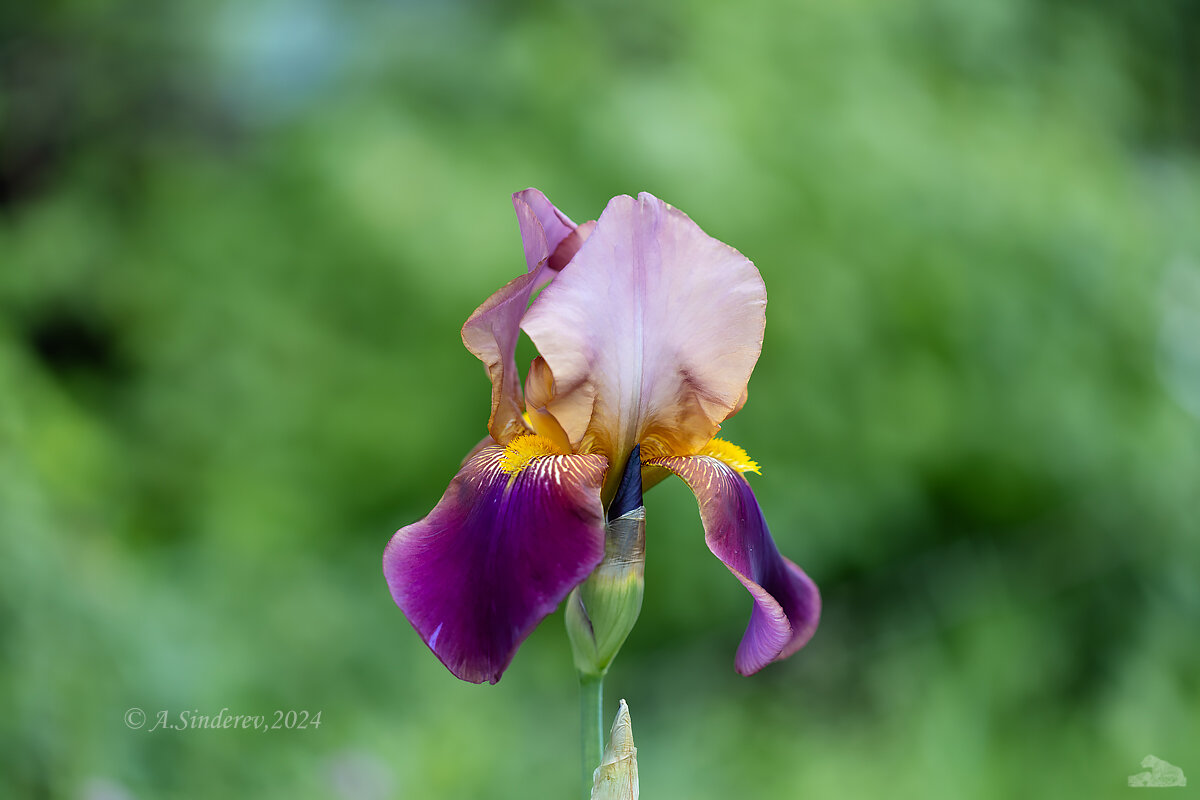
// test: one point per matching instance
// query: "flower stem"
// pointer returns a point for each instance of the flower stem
(591, 720)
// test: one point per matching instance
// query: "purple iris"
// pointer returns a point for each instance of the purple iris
(648, 330)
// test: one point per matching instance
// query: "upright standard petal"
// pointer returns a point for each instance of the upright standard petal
(651, 332)
(491, 332)
(516, 530)
(543, 229)
(787, 605)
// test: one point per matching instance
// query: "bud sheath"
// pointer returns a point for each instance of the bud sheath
(602, 610)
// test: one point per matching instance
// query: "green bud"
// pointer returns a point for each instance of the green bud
(602, 610)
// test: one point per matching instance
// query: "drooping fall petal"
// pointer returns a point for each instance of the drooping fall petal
(787, 605)
(499, 552)
(491, 332)
(651, 332)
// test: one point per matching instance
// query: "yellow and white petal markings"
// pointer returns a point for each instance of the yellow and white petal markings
(731, 455)
(617, 776)
(499, 552)
(524, 449)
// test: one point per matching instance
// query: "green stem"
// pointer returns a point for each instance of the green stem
(591, 719)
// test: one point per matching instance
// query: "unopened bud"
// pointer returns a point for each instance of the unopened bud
(602, 610)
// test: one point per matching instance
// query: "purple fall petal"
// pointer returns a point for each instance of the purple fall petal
(496, 555)
(786, 602)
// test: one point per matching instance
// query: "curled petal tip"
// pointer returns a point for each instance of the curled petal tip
(543, 226)
(805, 602)
(787, 605)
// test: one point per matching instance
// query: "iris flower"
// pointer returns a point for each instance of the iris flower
(647, 330)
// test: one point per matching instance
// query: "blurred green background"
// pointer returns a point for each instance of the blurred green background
(238, 240)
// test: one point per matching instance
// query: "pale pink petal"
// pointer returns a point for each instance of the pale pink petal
(741, 402)
(491, 332)
(570, 245)
(651, 332)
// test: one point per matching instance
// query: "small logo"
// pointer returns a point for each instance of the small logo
(1159, 773)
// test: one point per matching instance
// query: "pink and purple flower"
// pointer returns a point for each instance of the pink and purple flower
(648, 330)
